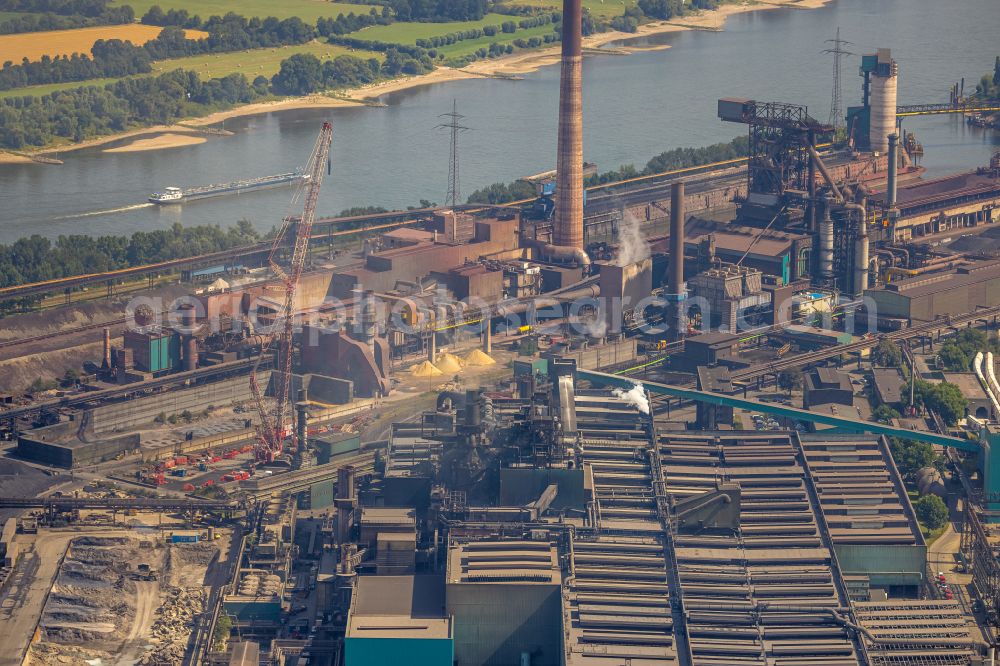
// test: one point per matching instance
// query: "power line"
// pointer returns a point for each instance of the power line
(454, 197)
(836, 101)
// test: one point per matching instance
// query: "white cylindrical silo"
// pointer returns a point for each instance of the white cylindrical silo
(883, 111)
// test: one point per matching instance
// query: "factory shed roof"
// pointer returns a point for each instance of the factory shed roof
(410, 234)
(617, 603)
(399, 607)
(744, 239)
(859, 490)
(967, 383)
(715, 339)
(383, 516)
(832, 378)
(245, 653)
(917, 632)
(925, 285)
(888, 385)
(504, 562)
(928, 191)
(778, 556)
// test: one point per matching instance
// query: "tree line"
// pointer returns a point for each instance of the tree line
(36, 258)
(61, 15)
(89, 111)
(668, 9)
(304, 73)
(677, 158)
(507, 27)
(115, 58)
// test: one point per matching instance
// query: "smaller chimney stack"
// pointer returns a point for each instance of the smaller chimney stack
(675, 283)
(107, 350)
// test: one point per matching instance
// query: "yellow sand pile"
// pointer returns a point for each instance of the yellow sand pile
(479, 357)
(449, 363)
(426, 369)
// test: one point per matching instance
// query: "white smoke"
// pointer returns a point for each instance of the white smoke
(632, 244)
(634, 396)
(596, 327)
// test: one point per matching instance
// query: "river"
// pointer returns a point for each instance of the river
(635, 106)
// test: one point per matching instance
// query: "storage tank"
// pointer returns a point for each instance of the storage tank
(883, 101)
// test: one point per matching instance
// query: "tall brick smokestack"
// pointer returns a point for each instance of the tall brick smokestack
(568, 228)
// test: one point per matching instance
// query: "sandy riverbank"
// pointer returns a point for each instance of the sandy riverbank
(170, 140)
(517, 63)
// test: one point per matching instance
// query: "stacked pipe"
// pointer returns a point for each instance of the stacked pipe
(826, 242)
(568, 228)
(861, 258)
(890, 194)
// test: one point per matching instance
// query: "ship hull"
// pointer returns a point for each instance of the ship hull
(228, 190)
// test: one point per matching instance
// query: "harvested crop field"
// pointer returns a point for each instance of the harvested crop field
(34, 45)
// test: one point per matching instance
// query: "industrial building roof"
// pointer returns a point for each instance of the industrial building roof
(929, 191)
(734, 583)
(371, 515)
(859, 490)
(617, 602)
(744, 239)
(399, 607)
(409, 451)
(504, 562)
(245, 653)
(925, 285)
(832, 378)
(888, 385)
(967, 383)
(918, 632)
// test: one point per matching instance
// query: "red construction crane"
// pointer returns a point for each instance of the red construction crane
(271, 429)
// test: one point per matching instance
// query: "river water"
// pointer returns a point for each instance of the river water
(634, 107)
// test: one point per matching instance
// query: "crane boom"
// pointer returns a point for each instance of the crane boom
(271, 426)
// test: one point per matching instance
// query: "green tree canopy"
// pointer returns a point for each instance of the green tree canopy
(888, 354)
(911, 456)
(931, 511)
(942, 397)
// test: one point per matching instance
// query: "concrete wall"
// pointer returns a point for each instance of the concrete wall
(142, 411)
(495, 623)
(73, 454)
(602, 356)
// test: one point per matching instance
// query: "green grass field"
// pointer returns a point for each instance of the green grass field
(469, 46)
(601, 8)
(258, 62)
(409, 33)
(307, 10)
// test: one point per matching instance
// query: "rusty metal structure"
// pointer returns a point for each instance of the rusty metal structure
(272, 423)
(569, 159)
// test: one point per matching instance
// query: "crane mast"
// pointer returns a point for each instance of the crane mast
(271, 427)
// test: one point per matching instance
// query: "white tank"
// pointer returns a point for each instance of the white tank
(883, 113)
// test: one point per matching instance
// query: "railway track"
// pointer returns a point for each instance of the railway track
(823, 354)
(6, 344)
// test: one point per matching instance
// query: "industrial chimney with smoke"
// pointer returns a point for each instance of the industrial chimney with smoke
(568, 230)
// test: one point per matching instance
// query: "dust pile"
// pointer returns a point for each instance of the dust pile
(426, 369)
(477, 357)
(449, 363)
